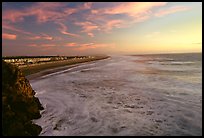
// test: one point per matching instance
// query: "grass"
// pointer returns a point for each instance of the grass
(31, 69)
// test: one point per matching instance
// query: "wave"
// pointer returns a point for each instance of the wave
(177, 63)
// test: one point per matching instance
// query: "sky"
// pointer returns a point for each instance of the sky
(90, 28)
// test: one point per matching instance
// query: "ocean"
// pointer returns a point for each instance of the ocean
(124, 95)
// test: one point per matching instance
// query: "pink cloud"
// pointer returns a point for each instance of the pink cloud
(87, 5)
(171, 10)
(69, 11)
(7, 26)
(90, 34)
(43, 45)
(13, 15)
(71, 44)
(134, 8)
(130, 8)
(47, 37)
(94, 11)
(32, 45)
(70, 34)
(86, 46)
(9, 36)
(113, 24)
(141, 18)
(10, 27)
(97, 19)
(104, 24)
(34, 38)
(135, 11)
(57, 38)
(63, 29)
(88, 27)
(44, 11)
(40, 37)
(48, 45)
(44, 16)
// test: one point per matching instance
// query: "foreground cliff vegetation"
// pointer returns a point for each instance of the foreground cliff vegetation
(19, 105)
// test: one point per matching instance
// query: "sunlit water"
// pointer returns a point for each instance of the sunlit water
(124, 95)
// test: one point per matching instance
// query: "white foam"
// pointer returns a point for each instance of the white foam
(113, 98)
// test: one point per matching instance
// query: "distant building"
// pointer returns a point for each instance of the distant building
(34, 60)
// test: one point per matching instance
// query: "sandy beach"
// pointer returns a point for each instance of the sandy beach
(39, 69)
(118, 96)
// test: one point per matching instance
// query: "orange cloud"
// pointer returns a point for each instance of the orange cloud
(171, 10)
(42, 45)
(90, 34)
(32, 45)
(86, 46)
(130, 8)
(9, 36)
(42, 36)
(71, 44)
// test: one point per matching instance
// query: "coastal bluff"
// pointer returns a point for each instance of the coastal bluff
(19, 105)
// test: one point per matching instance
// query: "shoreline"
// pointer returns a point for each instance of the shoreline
(60, 68)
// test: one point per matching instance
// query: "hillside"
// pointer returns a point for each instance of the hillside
(19, 105)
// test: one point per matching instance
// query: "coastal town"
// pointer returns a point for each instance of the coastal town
(33, 64)
(22, 61)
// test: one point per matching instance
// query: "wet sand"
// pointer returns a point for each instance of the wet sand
(57, 67)
(115, 97)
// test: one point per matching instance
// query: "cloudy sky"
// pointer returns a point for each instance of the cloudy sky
(31, 28)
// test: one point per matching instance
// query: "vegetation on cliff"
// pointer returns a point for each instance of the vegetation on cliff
(19, 105)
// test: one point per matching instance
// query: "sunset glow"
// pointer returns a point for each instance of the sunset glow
(101, 28)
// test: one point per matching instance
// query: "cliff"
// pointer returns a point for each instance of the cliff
(19, 105)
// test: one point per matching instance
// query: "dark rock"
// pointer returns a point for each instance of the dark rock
(94, 119)
(19, 105)
(129, 106)
(150, 112)
(158, 121)
(123, 127)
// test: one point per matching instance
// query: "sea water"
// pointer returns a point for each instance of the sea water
(124, 95)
